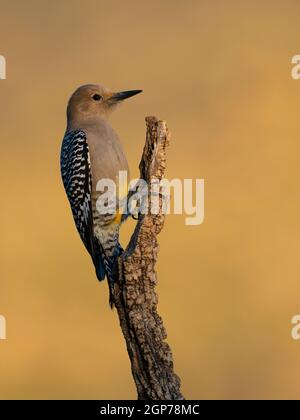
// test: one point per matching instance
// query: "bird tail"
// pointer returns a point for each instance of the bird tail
(107, 265)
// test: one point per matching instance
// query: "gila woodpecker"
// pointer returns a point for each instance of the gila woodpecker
(91, 151)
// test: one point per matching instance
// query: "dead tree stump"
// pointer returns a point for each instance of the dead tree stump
(135, 296)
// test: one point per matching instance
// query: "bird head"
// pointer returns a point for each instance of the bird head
(90, 102)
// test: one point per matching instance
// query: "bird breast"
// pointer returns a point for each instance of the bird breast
(107, 157)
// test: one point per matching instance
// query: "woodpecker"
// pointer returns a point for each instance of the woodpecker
(91, 151)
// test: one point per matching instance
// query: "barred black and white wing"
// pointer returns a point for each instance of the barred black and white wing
(77, 180)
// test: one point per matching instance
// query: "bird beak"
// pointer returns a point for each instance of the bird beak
(120, 96)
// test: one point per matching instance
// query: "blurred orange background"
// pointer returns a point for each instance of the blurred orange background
(220, 74)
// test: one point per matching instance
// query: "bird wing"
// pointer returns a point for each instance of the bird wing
(77, 180)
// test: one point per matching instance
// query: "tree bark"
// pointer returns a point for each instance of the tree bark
(135, 296)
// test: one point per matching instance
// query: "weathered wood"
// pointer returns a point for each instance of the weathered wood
(135, 296)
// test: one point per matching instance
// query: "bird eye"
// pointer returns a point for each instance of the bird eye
(97, 97)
